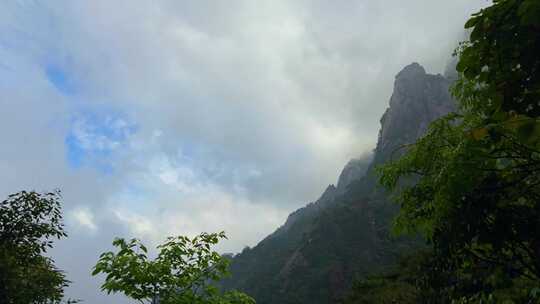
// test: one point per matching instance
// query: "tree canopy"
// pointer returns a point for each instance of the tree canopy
(471, 186)
(29, 222)
(182, 272)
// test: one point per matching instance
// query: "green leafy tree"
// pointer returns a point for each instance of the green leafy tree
(471, 186)
(29, 221)
(182, 272)
(499, 63)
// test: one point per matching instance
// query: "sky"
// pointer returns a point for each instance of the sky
(159, 118)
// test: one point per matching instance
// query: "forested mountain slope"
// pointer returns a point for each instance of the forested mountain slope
(323, 246)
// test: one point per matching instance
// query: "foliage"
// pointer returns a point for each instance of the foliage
(382, 289)
(419, 278)
(502, 57)
(28, 222)
(476, 190)
(402, 283)
(181, 272)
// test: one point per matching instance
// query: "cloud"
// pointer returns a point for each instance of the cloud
(157, 118)
(84, 218)
(96, 138)
(186, 201)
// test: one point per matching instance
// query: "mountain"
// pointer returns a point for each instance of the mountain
(323, 246)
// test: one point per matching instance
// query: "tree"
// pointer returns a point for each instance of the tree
(472, 184)
(28, 223)
(182, 272)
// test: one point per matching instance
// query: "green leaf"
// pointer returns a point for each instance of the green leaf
(479, 133)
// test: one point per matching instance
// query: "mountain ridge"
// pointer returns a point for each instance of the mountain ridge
(314, 255)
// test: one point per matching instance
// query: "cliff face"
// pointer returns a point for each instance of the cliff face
(417, 100)
(314, 256)
(354, 170)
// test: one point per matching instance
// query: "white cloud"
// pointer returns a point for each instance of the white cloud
(175, 197)
(84, 218)
(138, 224)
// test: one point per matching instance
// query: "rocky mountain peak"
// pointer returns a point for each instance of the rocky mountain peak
(417, 100)
(412, 70)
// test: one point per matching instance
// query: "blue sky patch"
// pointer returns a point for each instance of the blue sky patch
(60, 79)
(95, 139)
(75, 154)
